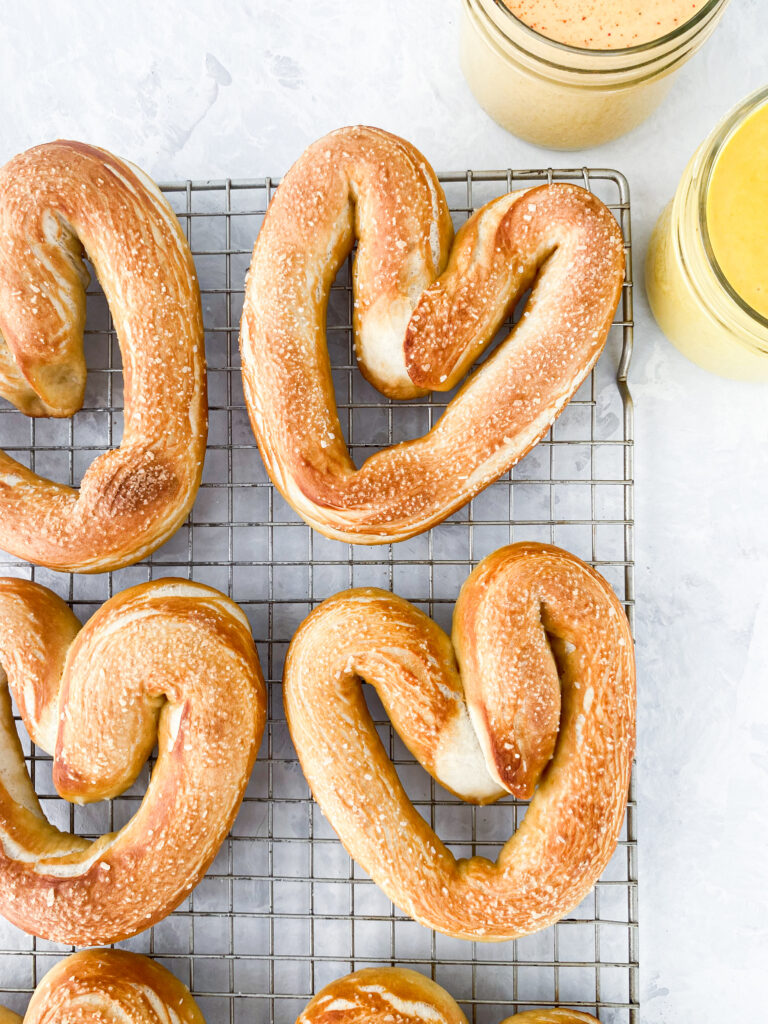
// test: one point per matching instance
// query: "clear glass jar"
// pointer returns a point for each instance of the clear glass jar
(692, 301)
(567, 97)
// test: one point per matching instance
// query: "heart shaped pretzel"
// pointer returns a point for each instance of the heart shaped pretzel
(55, 200)
(423, 312)
(112, 985)
(171, 662)
(536, 697)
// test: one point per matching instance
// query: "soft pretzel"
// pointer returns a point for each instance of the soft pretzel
(423, 312)
(98, 986)
(537, 693)
(396, 995)
(55, 200)
(109, 986)
(171, 662)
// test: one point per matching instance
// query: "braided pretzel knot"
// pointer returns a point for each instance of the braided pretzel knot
(110, 985)
(545, 671)
(52, 199)
(169, 661)
(423, 312)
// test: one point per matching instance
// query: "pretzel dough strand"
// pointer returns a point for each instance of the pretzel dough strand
(419, 323)
(488, 730)
(171, 661)
(52, 199)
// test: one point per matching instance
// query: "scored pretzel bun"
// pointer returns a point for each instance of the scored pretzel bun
(535, 696)
(424, 310)
(103, 986)
(396, 995)
(100, 986)
(57, 200)
(169, 662)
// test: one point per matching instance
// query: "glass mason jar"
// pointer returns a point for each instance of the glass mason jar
(567, 97)
(694, 304)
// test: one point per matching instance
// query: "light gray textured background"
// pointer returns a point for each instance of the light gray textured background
(238, 89)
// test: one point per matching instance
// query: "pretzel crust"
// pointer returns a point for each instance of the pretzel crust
(55, 201)
(423, 312)
(171, 662)
(543, 667)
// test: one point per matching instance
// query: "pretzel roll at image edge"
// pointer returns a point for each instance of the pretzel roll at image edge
(100, 986)
(169, 662)
(58, 202)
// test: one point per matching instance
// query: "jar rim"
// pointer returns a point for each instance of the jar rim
(670, 37)
(714, 146)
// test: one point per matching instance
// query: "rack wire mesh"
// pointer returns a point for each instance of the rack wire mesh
(283, 909)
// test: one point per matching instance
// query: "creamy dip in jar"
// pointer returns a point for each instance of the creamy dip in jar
(604, 24)
(573, 73)
(707, 264)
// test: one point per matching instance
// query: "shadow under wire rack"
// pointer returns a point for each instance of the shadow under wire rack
(283, 909)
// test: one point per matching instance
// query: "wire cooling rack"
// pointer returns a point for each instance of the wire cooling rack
(283, 910)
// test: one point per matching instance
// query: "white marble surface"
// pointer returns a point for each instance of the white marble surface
(205, 89)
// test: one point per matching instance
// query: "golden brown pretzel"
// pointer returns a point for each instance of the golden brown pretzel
(543, 668)
(423, 312)
(169, 661)
(396, 995)
(109, 985)
(55, 200)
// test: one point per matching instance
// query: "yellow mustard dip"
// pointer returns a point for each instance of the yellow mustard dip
(737, 210)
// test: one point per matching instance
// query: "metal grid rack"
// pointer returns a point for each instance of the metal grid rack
(283, 910)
